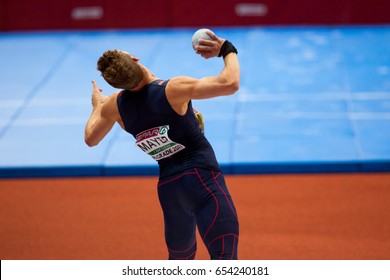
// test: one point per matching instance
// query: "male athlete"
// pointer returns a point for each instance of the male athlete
(159, 114)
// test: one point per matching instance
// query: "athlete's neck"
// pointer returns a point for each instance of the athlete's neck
(147, 79)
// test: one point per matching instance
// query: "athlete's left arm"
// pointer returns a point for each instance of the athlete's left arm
(98, 125)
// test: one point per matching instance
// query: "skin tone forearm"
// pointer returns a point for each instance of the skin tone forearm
(97, 126)
(231, 72)
(89, 128)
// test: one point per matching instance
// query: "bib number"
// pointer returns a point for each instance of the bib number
(156, 143)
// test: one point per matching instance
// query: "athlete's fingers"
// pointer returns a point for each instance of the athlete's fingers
(207, 48)
(97, 96)
(204, 43)
(205, 54)
(95, 86)
(212, 35)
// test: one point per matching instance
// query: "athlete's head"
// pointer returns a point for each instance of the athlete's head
(120, 69)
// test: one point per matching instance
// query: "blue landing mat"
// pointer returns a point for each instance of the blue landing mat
(312, 99)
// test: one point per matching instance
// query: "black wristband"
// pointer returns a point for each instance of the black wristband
(227, 48)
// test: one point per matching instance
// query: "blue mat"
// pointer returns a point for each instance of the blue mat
(312, 99)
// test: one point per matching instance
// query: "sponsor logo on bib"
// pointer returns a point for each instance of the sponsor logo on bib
(156, 143)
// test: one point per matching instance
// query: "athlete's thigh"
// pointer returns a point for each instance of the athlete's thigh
(179, 223)
(217, 218)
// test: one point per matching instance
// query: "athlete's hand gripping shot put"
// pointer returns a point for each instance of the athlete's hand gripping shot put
(159, 114)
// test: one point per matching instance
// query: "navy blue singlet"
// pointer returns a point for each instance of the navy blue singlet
(175, 141)
(191, 189)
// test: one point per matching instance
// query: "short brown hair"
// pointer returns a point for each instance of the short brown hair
(119, 69)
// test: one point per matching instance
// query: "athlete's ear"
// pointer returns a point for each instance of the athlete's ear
(136, 59)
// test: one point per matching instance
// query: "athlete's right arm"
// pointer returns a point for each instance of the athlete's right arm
(180, 90)
(227, 82)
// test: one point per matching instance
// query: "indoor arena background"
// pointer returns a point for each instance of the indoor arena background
(304, 143)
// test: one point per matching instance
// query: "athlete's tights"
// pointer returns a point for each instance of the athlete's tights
(200, 198)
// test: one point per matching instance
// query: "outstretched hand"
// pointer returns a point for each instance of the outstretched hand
(97, 97)
(209, 48)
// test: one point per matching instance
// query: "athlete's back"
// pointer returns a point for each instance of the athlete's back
(175, 141)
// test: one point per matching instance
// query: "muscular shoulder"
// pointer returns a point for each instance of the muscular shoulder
(180, 88)
(178, 92)
(180, 84)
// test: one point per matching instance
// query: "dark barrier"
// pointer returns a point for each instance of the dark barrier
(106, 14)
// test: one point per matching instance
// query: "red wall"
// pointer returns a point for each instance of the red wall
(101, 14)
